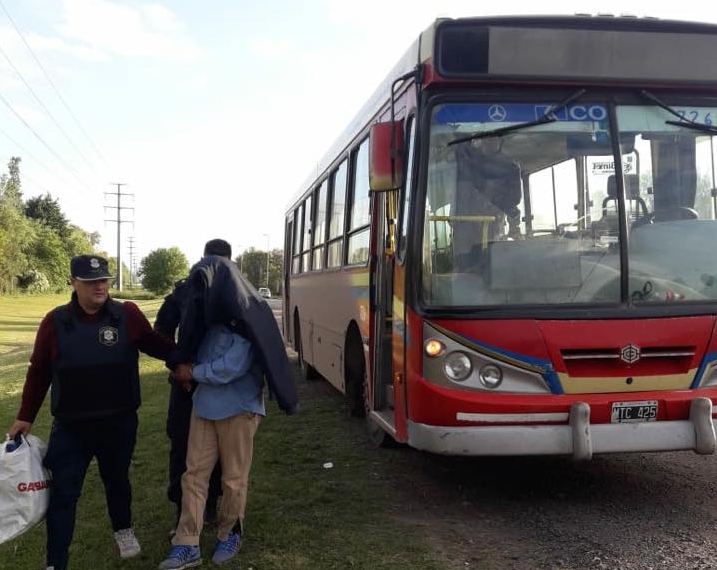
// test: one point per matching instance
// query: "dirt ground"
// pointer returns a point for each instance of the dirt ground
(626, 512)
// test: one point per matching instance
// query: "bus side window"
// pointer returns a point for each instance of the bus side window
(407, 190)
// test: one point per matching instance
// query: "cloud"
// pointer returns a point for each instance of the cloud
(99, 29)
(79, 51)
(270, 49)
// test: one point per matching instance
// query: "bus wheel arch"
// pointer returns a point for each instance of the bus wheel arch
(308, 372)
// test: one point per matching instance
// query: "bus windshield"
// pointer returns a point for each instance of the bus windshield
(557, 212)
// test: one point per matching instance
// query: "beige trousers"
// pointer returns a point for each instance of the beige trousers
(232, 441)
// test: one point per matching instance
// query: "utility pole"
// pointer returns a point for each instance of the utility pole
(131, 259)
(241, 260)
(267, 259)
(119, 221)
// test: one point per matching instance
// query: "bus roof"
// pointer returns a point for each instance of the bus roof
(580, 48)
(577, 48)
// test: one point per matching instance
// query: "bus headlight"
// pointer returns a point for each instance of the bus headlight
(457, 366)
(434, 348)
(491, 376)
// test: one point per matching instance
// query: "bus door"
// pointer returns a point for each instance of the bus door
(380, 389)
(385, 394)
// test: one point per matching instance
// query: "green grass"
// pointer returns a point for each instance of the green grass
(300, 515)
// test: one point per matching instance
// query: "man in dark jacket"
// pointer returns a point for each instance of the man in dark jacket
(88, 352)
(179, 410)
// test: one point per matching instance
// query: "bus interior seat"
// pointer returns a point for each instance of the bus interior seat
(637, 208)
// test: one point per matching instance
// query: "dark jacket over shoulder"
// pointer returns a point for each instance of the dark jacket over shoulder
(221, 294)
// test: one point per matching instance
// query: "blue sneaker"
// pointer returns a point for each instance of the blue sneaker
(181, 556)
(227, 549)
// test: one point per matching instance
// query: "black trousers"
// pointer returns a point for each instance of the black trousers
(71, 447)
(179, 413)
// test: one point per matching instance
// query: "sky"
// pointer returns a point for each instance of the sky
(209, 114)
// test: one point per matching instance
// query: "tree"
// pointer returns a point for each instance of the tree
(49, 262)
(10, 185)
(16, 231)
(112, 266)
(162, 268)
(253, 264)
(276, 271)
(78, 241)
(47, 211)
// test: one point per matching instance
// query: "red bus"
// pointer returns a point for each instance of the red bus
(511, 249)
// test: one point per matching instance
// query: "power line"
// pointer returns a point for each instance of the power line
(44, 108)
(25, 177)
(33, 157)
(47, 146)
(52, 84)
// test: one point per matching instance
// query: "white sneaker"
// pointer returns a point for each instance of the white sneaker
(127, 543)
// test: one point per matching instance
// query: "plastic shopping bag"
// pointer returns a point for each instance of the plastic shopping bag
(24, 485)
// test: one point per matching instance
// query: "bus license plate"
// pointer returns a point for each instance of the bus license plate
(644, 411)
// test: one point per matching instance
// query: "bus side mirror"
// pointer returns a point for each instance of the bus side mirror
(385, 158)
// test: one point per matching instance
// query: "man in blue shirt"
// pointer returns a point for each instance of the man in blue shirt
(179, 409)
(228, 405)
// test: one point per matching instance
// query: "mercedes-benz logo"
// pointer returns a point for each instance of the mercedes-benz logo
(630, 353)
(497, 113)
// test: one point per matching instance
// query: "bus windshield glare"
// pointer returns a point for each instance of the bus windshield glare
(550, 214)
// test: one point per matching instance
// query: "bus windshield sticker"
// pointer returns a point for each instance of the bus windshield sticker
(508, 113)
(654, 120)
(492, 113)
(689, 118)
(545, 113)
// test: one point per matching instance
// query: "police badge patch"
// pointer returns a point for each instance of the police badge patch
(108, 336)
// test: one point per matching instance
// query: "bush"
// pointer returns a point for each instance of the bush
(134, 295)
(34, 281)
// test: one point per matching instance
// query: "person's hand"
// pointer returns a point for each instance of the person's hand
(20, 426)
(182, 373)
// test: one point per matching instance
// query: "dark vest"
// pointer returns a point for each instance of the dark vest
(96, 374)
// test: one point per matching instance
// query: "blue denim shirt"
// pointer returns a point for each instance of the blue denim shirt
(228, 381)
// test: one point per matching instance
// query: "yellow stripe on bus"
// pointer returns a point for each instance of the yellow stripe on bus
(619, 384)
(397, 308)
(359, 279)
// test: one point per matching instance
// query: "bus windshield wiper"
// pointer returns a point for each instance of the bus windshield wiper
(548, 117)
(683, 121)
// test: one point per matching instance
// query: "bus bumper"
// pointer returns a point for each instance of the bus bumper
(578, 437)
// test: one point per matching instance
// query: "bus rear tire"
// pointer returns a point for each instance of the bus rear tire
(355, 375)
